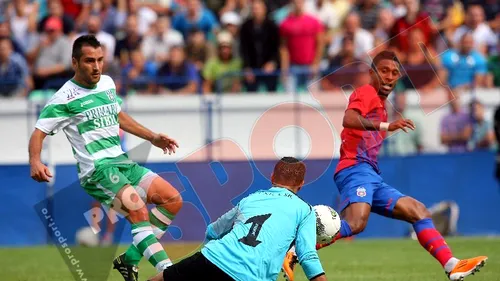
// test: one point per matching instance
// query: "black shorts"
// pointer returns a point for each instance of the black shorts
(194, 268)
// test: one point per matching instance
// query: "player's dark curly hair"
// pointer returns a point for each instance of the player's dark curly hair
(385, 55)
(84, 40)
(289, 171)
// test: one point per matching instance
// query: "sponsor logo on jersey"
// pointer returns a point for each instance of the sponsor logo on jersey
(101, 111)
(111, 95)
(361, 191)
(71, 93)
(103, 116)
(86, 102)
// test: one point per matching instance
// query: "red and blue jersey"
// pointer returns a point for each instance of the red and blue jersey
(358, 145)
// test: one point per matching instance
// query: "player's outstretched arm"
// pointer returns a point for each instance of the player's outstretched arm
(39, 171)
(129, 125)
(222, 225)
(354, 120)
(305, 247)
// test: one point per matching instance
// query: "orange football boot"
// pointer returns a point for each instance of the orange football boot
(289, 265)
(466, 267)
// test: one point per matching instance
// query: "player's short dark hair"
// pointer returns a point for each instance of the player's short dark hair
(289, 171)
(385, 55)
(84, 40)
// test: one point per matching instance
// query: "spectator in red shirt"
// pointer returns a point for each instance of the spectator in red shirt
(301, 45)
(414, 18)
(79, 10)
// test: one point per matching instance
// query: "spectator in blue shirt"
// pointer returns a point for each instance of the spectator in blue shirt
(140, 73)
(14, 74)
(178, 75)
(465, 67)
(195, 17)
(111, 19)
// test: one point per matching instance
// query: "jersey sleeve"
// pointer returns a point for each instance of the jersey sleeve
(359, 102)
(222, 225)
(54, 116)
(305, 247)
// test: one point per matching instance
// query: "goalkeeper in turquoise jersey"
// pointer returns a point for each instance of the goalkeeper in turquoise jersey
(250, 241)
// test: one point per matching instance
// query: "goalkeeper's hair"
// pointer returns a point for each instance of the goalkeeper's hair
(84, 40)
(289, 171)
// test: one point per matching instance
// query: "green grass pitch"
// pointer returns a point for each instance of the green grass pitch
(357, 260)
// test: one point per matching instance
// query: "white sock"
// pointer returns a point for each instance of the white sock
(158, 232)
(450, 264)
(163, 265)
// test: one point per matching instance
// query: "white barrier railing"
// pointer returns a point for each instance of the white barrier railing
(256, 123)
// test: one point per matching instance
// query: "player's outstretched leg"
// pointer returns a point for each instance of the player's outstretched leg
(168, 202)
(354, 220)
(414, 212)
(345, 231)
(355, 217)
(144, 239)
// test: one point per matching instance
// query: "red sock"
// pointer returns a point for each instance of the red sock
(319, 246)
(432, 241)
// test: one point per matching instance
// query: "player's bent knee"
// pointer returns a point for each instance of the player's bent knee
(174, 204)
(175, 197)
(419, 212)
(127, 200)
(138, 215)
(161, 191)
(422, 212)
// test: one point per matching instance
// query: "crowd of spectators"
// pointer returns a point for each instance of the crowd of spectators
(461, 130)
(193, 46)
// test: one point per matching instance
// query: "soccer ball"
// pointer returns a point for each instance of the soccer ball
(327, 223)
(86, 237)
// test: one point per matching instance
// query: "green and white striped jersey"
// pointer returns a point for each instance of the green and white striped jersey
(89, 119)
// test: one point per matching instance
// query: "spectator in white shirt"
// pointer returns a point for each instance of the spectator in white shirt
(483, 36)
(145, 16)
(156, 46)
(325, 12)
(94, 28)
(231, 22)
(23, 17)
(363, 40)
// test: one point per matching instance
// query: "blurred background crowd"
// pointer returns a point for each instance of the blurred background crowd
(194, 46)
